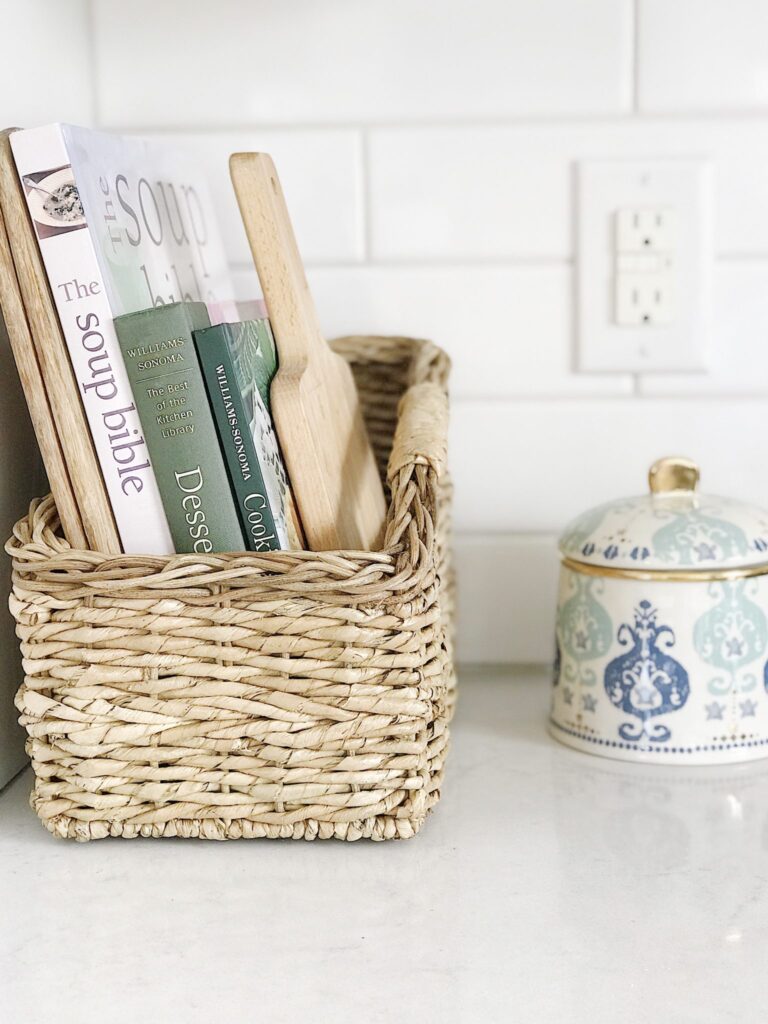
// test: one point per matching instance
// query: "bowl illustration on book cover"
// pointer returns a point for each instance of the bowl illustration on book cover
(662, 626)
(54, 201)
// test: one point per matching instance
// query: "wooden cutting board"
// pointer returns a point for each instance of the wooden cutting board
(40, 413)
(53, 360)
(315, 403)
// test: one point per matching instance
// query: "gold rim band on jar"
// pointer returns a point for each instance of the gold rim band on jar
(664, 575)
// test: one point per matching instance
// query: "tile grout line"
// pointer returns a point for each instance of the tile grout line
(93, 62)
(441, 263)
(580, 398)
(636, 57)
(366, 198)
(574, 270)
(470, 263)
(560, 119)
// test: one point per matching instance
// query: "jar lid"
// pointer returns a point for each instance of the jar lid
(672, 528)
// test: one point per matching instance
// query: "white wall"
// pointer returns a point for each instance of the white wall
(428, 148)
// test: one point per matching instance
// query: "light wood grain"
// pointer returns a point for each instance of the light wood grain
(314, 400)
(53, 360)
(40, 413)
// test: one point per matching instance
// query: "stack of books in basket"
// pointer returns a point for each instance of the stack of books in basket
(148, 385)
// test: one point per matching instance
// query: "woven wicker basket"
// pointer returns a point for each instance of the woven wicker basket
(295, 694)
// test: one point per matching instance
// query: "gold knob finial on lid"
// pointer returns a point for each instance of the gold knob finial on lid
(673, 473)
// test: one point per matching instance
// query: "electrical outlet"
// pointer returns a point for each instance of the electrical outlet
(649, 230)
(644, 300)
(644, 265)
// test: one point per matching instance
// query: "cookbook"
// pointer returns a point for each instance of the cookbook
(123, 224)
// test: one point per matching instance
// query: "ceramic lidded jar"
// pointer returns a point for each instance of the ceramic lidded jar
(662, 626)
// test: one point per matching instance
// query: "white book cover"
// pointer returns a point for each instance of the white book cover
(123, 224)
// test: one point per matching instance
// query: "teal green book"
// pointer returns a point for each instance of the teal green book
(254, 360)
(254, 354)
(238, 441)
(170, 395)
(252, 345)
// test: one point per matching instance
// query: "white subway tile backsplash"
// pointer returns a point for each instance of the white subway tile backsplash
(703, 55)
(45, 72)
(321, 175)
(507, 597)
(508, 330)
(233, 63)
(739, 346)
(507, 191)
(531, 465)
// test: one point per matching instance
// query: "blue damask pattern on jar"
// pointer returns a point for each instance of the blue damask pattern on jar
(646, 681)
(694, 537)
(581, 530)
(584, 630)
(731, 635)
(592, 532)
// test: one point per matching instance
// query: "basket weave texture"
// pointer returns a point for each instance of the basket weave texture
(292, 694)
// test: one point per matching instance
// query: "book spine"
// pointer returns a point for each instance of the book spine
(237, 444)
(85, 316)
(255, 363)
(178, 424)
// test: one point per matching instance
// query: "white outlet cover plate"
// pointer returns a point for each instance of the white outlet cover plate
(604, 188)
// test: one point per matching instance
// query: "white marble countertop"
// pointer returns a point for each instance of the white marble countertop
(548, 886)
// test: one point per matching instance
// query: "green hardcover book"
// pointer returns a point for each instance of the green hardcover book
(261, 523)
(254, 355)
(254, 360)
(178, 425)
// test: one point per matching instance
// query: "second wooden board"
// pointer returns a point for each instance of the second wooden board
(315, 403)
(40, 413)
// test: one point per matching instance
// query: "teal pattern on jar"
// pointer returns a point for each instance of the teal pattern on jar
(584, 629)
(695, 538)
(731, 635)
